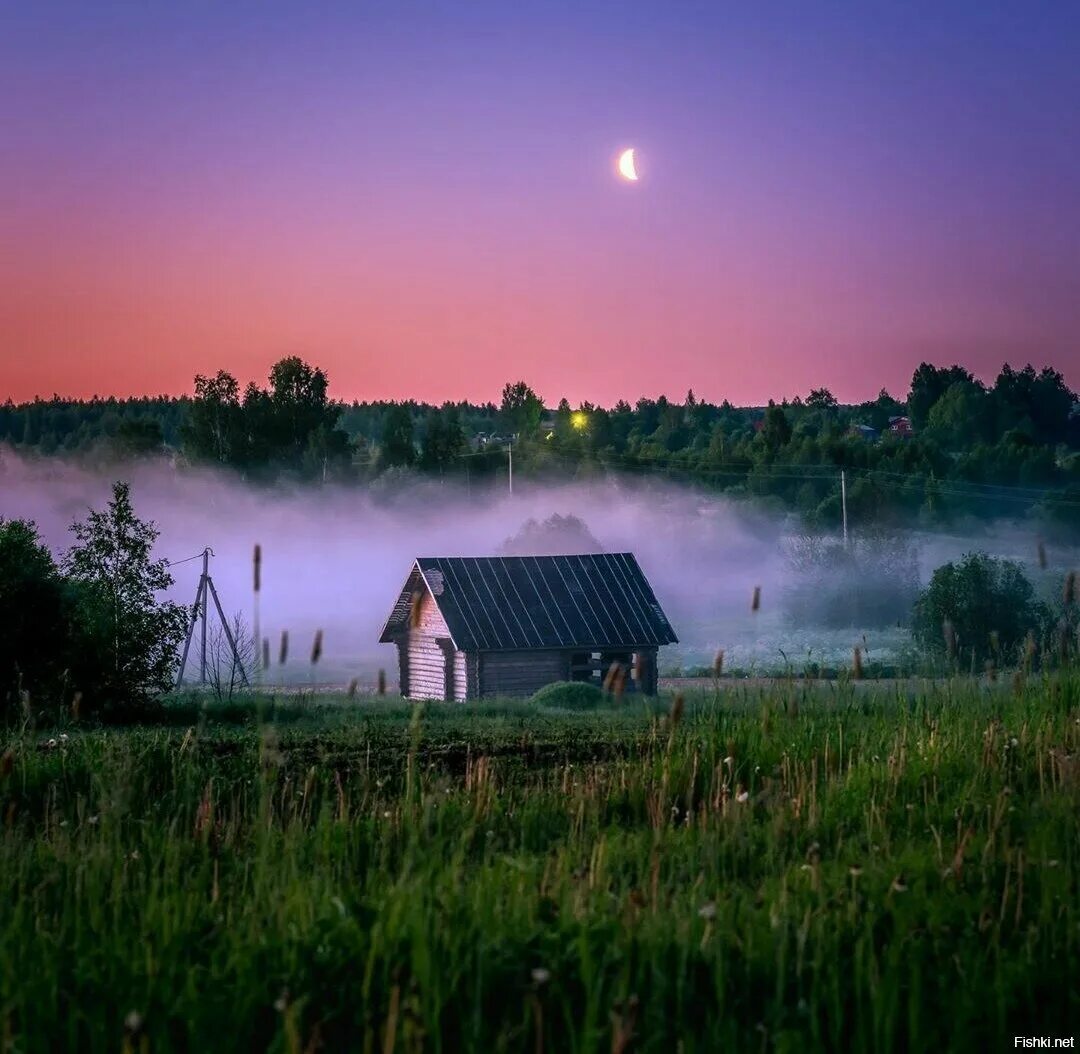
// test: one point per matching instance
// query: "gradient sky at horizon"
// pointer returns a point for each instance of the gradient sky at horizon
(421, 199)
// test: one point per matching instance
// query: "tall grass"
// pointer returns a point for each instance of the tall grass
(791, 868)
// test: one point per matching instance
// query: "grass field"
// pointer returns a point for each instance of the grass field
(785, 868)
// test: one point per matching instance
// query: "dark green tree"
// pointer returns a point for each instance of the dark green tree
(398, 447)
(1038, 404)
(928, 384)
(34, 643)
(299, 409)
(776, 430)
(821, 399)
(521, 409)
(130, 637)
(443, 442)
(981, 606)
(214, 429)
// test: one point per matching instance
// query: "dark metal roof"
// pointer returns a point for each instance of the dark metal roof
(497, 603)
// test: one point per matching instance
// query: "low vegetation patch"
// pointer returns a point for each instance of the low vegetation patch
(795, 867)
(570, 695)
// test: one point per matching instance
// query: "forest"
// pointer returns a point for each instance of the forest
(951, 448)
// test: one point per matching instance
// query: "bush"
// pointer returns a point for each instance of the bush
(988, 604)
(91, 625)
(36, 616)
(569, 695)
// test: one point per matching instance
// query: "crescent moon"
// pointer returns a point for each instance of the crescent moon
(627, 168)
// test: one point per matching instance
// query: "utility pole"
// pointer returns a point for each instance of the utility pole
(510, 464)
(205, 578)
(203, 594)
(843, 502)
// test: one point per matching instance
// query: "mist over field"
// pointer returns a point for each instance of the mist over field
(335, 557)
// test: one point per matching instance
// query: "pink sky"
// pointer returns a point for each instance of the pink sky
(427, 207)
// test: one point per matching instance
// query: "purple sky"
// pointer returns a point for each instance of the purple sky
(422, 199)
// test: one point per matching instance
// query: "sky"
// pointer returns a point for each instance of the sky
(422, 199)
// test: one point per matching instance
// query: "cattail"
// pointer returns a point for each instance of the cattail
(991, 670)
(856, 663)
(995, 641)
(76, 706)
(1030, 648)
(316, 647)
(949, 633)
(755, 603)
(414, 609)
(1017, 682)
(352, 688)
(620, 683)
(1042, 555)
(1069, 594)
(718, 664)
(382, 682)
(266, 653)
(677, 710)
(283, 649)
(612, 676)
(256, 567)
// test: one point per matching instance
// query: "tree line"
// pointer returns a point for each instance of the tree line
(1009, 448)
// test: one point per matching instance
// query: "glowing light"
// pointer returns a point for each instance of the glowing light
(579, 419)
(627, 168)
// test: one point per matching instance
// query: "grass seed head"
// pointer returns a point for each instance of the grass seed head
(1042, 554)
(283, 649)
(316, 647)
(677, 710)
(1069, 593)
(7, 763)
(415, 605)
(755, 601)
(266, 653)
(856, 663)
(1030, 648)
(256, 567)
(352, 687)
(382, 682)
(718, 663)
(620, 683)
(948, 632)
(612, 676)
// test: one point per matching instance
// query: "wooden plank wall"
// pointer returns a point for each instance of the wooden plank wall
(427, 658)
(520, 672)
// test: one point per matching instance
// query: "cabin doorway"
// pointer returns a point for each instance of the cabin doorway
(449, 655)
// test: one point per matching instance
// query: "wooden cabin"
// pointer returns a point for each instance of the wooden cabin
(469, 627)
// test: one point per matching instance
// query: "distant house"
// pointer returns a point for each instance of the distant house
(484, 440)
(863, 432)
(469, 627)
(901, 426)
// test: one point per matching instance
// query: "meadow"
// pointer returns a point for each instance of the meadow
(787, 867)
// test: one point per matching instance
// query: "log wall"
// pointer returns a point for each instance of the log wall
(520, 672)
(431, 668)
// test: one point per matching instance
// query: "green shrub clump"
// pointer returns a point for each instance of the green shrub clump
(569, 695)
